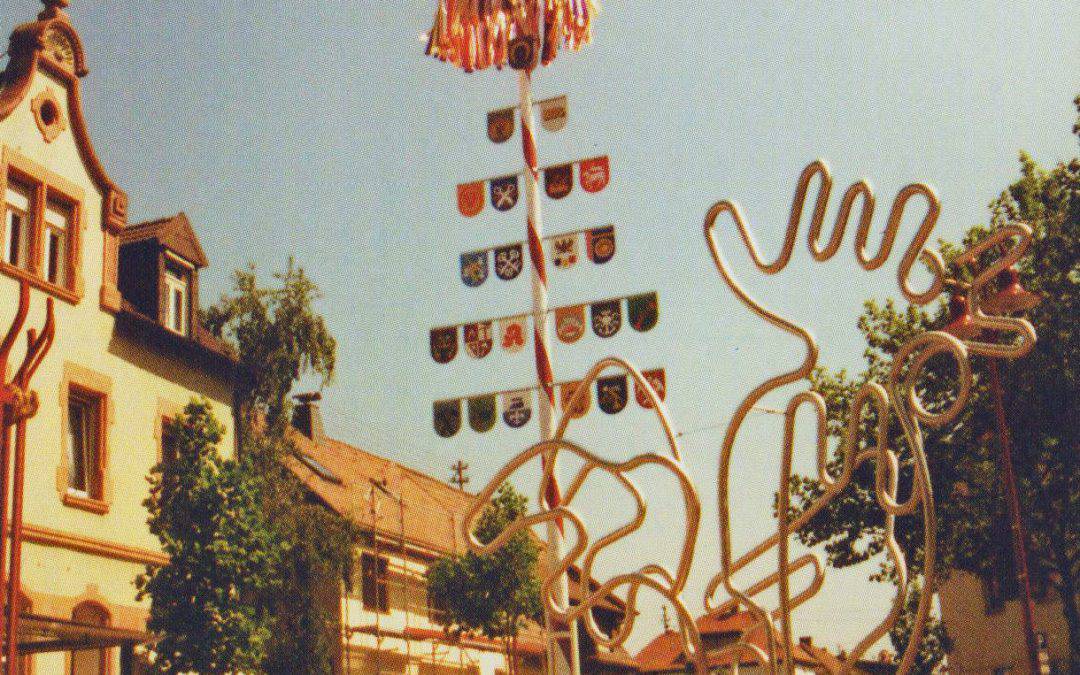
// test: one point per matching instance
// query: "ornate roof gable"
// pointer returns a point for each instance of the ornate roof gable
(52, 44)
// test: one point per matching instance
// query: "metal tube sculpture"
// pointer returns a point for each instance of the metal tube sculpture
(17, 405)
(474, 35)
(897, 398)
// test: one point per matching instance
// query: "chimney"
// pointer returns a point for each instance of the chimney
(306, 417)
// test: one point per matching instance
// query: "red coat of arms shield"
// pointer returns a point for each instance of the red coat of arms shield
(594, 174)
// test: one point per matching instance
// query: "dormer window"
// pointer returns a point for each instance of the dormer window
(177, 294)
(158, 275)
(18, 220)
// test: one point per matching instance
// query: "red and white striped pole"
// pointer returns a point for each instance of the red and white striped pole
(562, 643)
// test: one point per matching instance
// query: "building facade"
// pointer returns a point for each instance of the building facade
(128, 354)
(407, 520)
(982, 618)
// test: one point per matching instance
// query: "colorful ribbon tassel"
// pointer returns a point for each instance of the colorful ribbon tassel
(475, 34)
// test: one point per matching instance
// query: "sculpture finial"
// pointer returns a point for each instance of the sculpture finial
(53, 8)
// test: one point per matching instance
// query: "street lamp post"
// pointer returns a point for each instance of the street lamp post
(1011, 297)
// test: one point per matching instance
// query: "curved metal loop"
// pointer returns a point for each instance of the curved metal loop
(863, 192)
(584, 551)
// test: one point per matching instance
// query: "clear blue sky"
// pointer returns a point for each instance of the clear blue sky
(319, 130)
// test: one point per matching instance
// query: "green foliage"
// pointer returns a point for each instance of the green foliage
(935, 642)
(206, 512)
(278, 337)
(317, 559)
(1041, 395)
(491, 594)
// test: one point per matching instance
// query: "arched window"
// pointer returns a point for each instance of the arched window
(90, 661)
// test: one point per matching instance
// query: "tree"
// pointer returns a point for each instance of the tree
(206, 512)
(491, 594)
(278, 337)
(1040, 408)
(317, 559)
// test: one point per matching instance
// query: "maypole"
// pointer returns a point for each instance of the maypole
(563, 649)
(473, 35)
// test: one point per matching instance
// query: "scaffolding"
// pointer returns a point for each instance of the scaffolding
(403, 583)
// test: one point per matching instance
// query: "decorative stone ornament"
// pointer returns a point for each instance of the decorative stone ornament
(58, 47)
(48, 115)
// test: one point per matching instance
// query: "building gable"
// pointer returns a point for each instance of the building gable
(50, 49)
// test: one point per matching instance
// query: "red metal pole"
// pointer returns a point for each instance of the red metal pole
(5, 460)
(1016, 525)
(14, 579)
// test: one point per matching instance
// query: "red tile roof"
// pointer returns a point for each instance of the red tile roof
(665, 653)
(433, 510)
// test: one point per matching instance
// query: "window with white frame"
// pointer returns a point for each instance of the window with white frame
(176, 298)
(18, 224)
(56, 236)
(84, 445)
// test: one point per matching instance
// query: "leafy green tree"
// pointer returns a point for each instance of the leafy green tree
(491, 594)
(278, 337)
(1041, 395)
(206, 512)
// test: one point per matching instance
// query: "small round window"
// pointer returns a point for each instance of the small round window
(48, 115)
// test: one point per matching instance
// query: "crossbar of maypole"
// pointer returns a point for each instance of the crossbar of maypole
(562, 643)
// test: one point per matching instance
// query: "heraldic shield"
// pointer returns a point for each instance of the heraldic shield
(570, 323)
(643, 311)
(470, 198)
(657, 381)
(553, 113)
(447, 415)
(517, 408)
(482, 413)
(504, 192)
(508, 261)
(444, 344)
(478, 339)
(612, 393)
(600, 244)
(564, 250)
(474, 268)
(559, 180)
(595, 174)
(512, 334)
(500, 125)
(606, 318)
